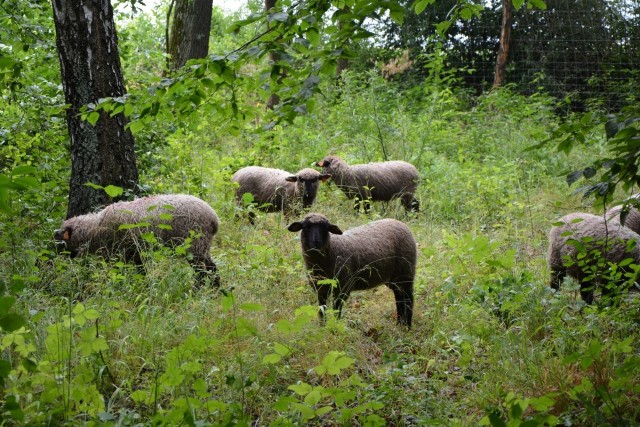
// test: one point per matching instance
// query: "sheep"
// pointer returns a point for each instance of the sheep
(117, 229)
(579, 244)
(381, 252)
(374, 181)
(627, 213)
(277, 190)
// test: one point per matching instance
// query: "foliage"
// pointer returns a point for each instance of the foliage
(97, 342)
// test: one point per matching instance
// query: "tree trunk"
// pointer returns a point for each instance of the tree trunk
(190, 29)
(505, 40)
(342, 63)
(274, 57)
(90, 66)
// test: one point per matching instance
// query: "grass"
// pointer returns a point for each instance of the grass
(491, 343)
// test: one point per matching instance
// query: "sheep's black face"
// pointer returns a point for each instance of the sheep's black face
(315, 231)
(308, 188)
(315, 236)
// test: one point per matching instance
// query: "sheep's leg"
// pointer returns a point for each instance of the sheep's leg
(404, 302)
(410, 203)
(323, 296)
(361, 202)
(205, 268)
(339, 299)
(586, 292)
(557, 276)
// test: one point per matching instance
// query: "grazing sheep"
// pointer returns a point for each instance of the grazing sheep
(117, 230)
(364, 257)
(631, 216)
(276, 190)
(584, 245)
(374, 181)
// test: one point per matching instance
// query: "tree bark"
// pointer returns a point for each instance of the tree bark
(90, 67)
(505, 40)
(190, 29)
(342, 63)
(274, 57)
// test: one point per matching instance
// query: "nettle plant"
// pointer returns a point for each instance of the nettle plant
(67, 379)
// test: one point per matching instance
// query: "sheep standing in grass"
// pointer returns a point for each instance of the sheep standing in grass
(118, 228)
(276, 190)
(375, 181)
(381, 252)
(583, 246)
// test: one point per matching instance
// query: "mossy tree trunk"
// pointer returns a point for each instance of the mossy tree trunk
(90, 67)
(189, 22)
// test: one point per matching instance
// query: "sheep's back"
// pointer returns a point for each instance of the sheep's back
(385, 179)
(632, 220)
(590, 234)
(181, 213)
(374, 253)
(265, 184)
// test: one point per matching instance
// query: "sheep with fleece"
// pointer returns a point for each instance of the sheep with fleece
(117, 230)
(578, 245)
(381, 252)
(275, 190)
(627, 213)
(383, 181)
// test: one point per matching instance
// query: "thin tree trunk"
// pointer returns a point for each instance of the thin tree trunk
(342, 63)
(90, 67)
(505, 40)
(274, 57)
(190, 29)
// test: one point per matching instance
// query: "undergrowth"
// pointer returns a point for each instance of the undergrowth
(491, 343)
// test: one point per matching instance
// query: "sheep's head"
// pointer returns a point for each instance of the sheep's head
(315, 229)
(62, 238)
(308, 181)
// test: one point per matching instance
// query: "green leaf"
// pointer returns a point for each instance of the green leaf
(93, 117)
(281, 349)
(6, 302)
(6, 62)
(420, 5)
(397, 16)
(313, 397)
(271, 359)
(301, 388)
(12, 322)
(136, 126)
(113, 191)
(251, 307)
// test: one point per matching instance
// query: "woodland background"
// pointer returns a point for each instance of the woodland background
(282, 84)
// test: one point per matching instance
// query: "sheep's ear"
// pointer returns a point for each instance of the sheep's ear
(295, 226)
(291, 178)
(325, 177)
(334, 229)
(64, 234)
(322, 163)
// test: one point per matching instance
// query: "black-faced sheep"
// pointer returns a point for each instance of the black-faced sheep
(117, 229)
(583, 246)
(277, 190)
(381, 252)
(382, 181)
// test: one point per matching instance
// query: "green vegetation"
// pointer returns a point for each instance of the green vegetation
(91, 341)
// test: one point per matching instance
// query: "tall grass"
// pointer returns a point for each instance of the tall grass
(491, 343)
